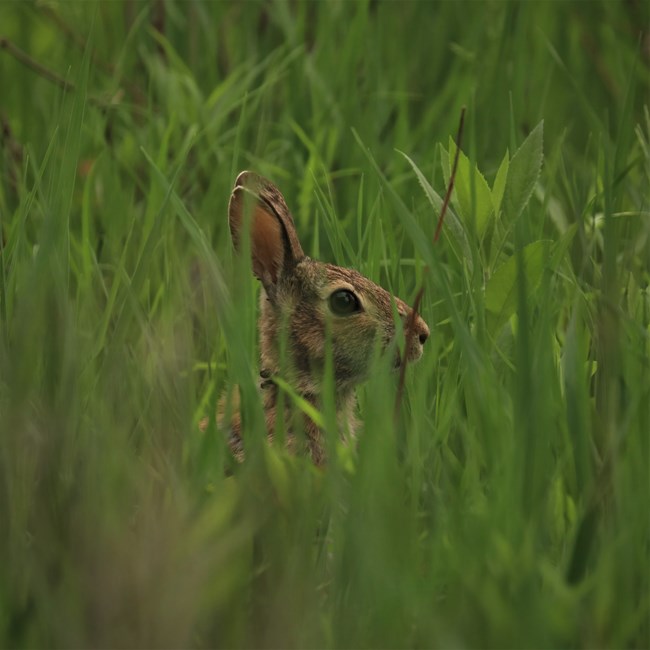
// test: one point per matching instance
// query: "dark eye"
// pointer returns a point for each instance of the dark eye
(343, 303)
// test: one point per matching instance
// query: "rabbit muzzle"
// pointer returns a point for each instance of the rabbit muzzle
(416, 331)
(415, 336)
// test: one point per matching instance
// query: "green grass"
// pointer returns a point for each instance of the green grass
(508, 507)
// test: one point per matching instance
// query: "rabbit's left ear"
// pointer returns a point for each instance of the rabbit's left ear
(275, 248)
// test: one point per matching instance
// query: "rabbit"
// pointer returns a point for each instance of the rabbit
(304, 293)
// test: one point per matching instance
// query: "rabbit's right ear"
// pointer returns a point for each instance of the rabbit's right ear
(275, 248)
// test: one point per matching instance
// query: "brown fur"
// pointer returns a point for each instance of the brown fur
(295, 293)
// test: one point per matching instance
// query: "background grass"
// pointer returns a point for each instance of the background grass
(509, 505)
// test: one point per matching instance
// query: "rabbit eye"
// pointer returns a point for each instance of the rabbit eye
(343, 303)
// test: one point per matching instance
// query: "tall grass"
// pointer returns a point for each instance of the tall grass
(507, 506)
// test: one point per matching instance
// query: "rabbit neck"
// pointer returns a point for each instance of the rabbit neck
(314, 437)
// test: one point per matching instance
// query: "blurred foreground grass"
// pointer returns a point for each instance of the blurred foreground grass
(509, 505)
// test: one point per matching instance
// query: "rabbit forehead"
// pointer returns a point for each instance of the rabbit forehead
(319, 280)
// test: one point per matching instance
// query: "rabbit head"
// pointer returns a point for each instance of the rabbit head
(302, 294)
(306, 297)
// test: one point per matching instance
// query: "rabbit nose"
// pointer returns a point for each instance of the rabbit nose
(422, 330)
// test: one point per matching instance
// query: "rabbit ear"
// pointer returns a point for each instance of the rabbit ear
(275, 248)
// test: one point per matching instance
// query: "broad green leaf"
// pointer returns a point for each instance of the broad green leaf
(463, 187)
(499, 186)
(523, 172)
(436, 202)
(501, 289)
